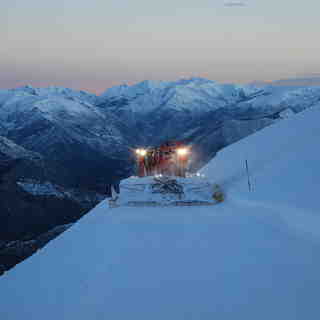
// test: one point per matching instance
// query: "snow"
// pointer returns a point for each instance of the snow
(287, 113)
(52, 103)
(196, 110)
(69, 112)
(273, 97)
(283, 162)
(255, 256)
(14, 151)
(47, 188)
(193, 86)
(132, 91)
(202, 95)
(53, 91)
(41, 189)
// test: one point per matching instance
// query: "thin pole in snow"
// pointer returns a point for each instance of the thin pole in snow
(247, 169)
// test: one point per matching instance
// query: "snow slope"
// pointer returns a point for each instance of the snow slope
(256, 256)
(284, 170)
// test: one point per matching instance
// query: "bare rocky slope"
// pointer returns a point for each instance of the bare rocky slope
(31, 208)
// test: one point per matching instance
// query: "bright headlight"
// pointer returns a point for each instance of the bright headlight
(141, 152)
(182, 151)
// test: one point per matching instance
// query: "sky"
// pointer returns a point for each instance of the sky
(93, 45)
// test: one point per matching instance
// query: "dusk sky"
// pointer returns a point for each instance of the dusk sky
(96, 44)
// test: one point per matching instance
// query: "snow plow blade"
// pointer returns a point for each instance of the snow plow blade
(167, 192)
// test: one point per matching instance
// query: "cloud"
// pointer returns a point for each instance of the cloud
(235, 4)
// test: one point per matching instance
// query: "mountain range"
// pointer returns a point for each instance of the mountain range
(60, 148)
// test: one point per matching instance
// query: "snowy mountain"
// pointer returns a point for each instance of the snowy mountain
(57, 92)
(85, 142)
(255, 256)
(199, 111)
(82, 135)
(72, 134)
